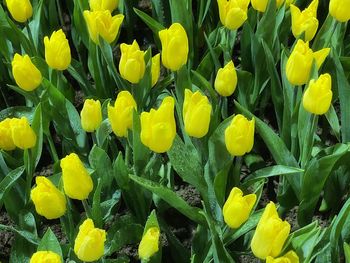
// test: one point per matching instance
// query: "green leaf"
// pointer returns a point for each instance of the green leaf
(9, 181)
(37, 126)
(101, 163)
(346, 252)
(149, 21)
(49, 242)
(96, 204)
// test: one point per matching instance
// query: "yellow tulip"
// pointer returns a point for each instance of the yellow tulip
(132, 62)
(89, 243)
(239, 135)
(102, 5)
(318, 95)
(23, 135)
(300, 61)
(305, 21)
(149, 244)
(45, 257)
(57, 51)
(77, 183)
(226, 80)
(102, 23)
(158, 128)
(155, 70)
(196, 114)
(290, 257)
(20, 10)
(6, 141)
(25, 73)
(233, 13)
(261, 5)
(48, 200)
(120, 116)
(91, 115)
(174, 46)
(339, 9)
(270, 234)
(237, 208)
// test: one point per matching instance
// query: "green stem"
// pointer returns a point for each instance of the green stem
(309, 140)
(60, 12)
(29, 170)
(86, 208)
(30, 35)
(52, 147)
(237, 170)
(334, 27)
(127, 153)
(294, 126)
(94, 138)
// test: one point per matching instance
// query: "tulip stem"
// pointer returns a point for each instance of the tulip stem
(30, 35)
(52, 147)
(309, 140)
(29, 170)
(94, 138)
(60, 12)
(86, 208)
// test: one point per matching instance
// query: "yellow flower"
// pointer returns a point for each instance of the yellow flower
(91, 115)
(290, 257)
(300, 61)
(233, 13)
(23, 135)
(237, 208)
(89, 243)
(174, 46)
(25, 73)
(132, 62)
(339, 9)
(155, 70)
(305, 21)
(226, 80)
(101, 5)
(120, 116)
(196, 114)
(57, 50)
(48, 200)
(261, 5)
(318, 96)
(6, 141)
(239, 135)
(20, 10)
(158, 128)
(270, 234)
(149, 243)
(77, 183)
(45, 257)
(102, 23)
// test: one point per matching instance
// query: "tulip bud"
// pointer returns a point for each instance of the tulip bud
(226, 80)
(305, 21)
(290, 257)
(132, 62)
(6, 141)
(237, 208)
(102, 5)
(48, 200)
(239, 135)
(261, 5)
(20, 10)
(57, 51)
(25, 73)
(89, 243)
(155, 70)
(44, 257)
(318, 95)
(77, 183)
(149, 243)
(270, 234)
(91, 115)
(339, 9)
(158, 128)
(174, 46)
(196, 114)
(233, 13)
(23, 135)
(120, 116)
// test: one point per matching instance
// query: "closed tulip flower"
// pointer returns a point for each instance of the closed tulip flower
(77, 183)
(48, 200)
(239, 135)
(23, 135)
(155, 70)
(300, 61)
(261, 5)
(132, 62)
(196, 114)
(174, 46)
(226, 80)
(233, 13)
(120, 116)
(102, 5)
(20, 10)
(45, 257)
(158, 128)
(339, 9)
(290, 257)
(91, 115)
(318, 95)
(25, 73)
(89, 243)
(57, 51)
(237, 208)
(149, 244)
(6, 141)
(270, 234)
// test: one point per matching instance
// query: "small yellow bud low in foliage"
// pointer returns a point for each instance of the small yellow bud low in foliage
(239, 135)
(48, 200)
(196, 114)
(25, 73)
(91, 115)
(233, 13)
(120, 116)
(226, 80)
(149, 244)
(318, 95)
(339, 9)
(102, 5)
(158, 127)
(57, 50)
(20, 10)
(155, 70)
(45, 257)
(89, 243)
(270, 235)
(290, 257)
(6, 141)
(77, 183)
(261, 5)
(174, 46)
(237, 208)
(23, 135)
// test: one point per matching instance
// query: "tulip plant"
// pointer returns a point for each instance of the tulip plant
(138, 108)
